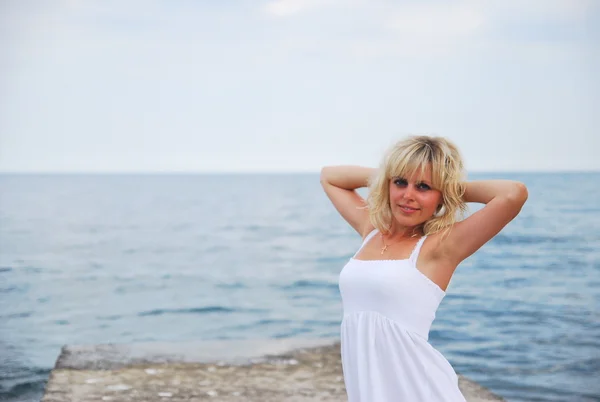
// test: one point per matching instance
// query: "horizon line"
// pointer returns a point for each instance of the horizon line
(258, 172)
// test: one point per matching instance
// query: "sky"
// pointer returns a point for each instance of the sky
(294, 85)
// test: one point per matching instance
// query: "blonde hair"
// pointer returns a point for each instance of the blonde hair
(412, 155)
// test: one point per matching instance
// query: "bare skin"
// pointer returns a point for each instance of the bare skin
(413, 202)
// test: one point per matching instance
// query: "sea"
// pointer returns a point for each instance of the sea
(121, 258)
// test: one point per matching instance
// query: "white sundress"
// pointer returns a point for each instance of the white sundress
(389, 306)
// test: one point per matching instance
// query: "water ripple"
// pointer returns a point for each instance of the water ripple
(197, 310)
(311, 284)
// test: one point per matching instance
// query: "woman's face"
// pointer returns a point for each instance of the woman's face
(412, 199)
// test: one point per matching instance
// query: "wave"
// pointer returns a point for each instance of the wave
(197, 310)
(20, 384)
(302, 284)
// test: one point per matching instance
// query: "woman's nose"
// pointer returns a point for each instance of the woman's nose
(408, 192)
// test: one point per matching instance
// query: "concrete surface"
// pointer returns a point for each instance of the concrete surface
(295, 370)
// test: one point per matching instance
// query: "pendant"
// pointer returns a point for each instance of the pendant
(384, 248)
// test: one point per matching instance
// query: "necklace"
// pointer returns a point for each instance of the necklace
(385, 246)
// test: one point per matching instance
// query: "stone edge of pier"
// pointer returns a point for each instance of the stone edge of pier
(278, 358)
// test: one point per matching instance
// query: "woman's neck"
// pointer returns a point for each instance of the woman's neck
(398, 232)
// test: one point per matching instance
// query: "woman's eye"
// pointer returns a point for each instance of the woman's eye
(400, 182)
(423, 186)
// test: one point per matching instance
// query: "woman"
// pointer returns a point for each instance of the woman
(412, 243)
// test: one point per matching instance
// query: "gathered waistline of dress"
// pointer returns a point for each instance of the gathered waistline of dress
(420, 334)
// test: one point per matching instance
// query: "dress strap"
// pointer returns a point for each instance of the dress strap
(415, 253)
(365, 241)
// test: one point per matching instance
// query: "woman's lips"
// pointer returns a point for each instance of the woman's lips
(407, 210)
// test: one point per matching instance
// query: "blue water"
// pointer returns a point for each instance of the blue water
(130, 258)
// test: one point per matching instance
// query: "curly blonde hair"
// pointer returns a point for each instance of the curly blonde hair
(412, 155)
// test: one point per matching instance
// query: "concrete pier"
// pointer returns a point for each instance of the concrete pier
(295, 370)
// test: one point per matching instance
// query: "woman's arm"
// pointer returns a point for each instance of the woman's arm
(340, 183)
(504, 200)
(483, 191)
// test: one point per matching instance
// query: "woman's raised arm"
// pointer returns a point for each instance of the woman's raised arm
(340, 184)
(504, 200)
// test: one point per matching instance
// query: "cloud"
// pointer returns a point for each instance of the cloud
(426, 31)
(378, 27)
(436, 22)
(429, 30)
(285, 8)
(535, 10)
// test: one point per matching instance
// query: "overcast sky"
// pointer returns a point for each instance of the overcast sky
(292, 85)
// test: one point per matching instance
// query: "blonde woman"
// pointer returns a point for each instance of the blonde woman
(412, 243)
